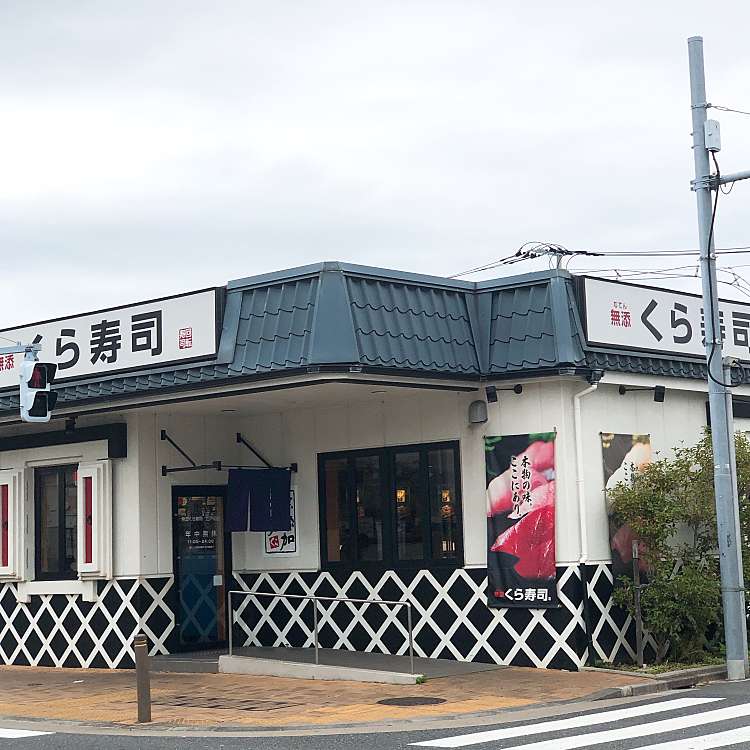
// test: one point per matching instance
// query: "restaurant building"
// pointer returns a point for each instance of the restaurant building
(392, 400)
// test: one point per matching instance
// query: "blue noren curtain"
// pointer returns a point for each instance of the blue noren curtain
(259, 500)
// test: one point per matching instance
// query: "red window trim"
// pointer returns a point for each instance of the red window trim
(88, 521)
(4, 530)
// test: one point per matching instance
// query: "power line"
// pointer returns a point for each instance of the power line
(729, 109)
(671, 253)
(528, 251)
(486, 267)
(572, 255)
(714, 343)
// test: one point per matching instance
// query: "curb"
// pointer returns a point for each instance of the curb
(678, 680)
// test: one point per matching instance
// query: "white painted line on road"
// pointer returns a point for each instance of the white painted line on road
(19, 734)
(705, 741)
(698, 719)
(574, 722)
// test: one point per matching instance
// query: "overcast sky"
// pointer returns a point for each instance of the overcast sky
(148, 148)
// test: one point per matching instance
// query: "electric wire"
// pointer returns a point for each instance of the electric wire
(729, 109)
(571, 255)
(711, 300)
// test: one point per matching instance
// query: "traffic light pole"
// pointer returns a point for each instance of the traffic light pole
(29, 350)
(719, 394)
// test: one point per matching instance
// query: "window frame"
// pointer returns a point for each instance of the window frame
(59, 575)
(390, 559)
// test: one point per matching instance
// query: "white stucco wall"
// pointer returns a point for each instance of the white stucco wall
(142, 497)
(204, 439)
(396, 419)
(433, 416)
(680, 418)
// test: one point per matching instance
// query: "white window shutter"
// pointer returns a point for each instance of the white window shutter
(95, 520)
(12, 525)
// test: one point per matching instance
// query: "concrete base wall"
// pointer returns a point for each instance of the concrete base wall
(277, 668)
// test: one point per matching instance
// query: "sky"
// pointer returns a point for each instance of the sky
(152, 148)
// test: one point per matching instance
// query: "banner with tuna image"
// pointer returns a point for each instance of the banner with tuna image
(520, 473)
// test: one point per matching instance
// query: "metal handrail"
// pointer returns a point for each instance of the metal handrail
(315, 600)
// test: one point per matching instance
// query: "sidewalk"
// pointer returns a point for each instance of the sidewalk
(205, 700)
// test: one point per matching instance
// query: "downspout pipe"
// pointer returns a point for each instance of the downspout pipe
(583, 531)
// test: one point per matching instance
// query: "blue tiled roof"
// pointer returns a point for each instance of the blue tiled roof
(275, 327)
(338, 316)
(522, 331)
(408, 326)
(643, 365)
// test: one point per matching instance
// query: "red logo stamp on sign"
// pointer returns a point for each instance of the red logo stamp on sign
(186, 338)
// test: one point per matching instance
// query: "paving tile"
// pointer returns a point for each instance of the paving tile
(93, 695)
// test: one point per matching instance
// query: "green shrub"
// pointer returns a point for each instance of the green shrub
(670, 508)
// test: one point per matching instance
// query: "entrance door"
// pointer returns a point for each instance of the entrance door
(202, 562)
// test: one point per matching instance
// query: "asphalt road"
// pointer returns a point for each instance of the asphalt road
(716, 716)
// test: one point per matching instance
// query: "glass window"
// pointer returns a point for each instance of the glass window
(368, 482)
(56, 521)
(409, 499)
(49, 522)
(338, 516)
(392, 505)
(441, 480)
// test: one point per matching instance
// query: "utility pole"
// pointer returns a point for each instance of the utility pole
(719, 395)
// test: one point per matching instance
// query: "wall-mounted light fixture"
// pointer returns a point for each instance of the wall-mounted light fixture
(478, 412)
(492, 391)
(660, 392)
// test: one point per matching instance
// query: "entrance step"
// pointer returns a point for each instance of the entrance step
(205, 662)
(278, 668)
(339, 664)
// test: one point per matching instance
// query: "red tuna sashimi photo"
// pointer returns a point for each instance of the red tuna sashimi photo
(530, 541)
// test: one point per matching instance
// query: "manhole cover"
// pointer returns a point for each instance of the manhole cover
(412, 700)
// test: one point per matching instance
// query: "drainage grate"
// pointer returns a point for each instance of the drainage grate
(412, 700)
(225, 703)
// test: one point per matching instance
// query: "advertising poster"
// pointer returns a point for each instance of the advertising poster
(621, 456)
(520, 474)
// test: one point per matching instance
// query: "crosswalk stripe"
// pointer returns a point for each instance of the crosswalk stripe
(18, 734)
(574, 722)
(705, 741)
(641, 730)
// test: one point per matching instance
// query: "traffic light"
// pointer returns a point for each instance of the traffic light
(37, 401)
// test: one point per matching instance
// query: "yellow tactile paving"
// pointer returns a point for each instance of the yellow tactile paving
(92, 695)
